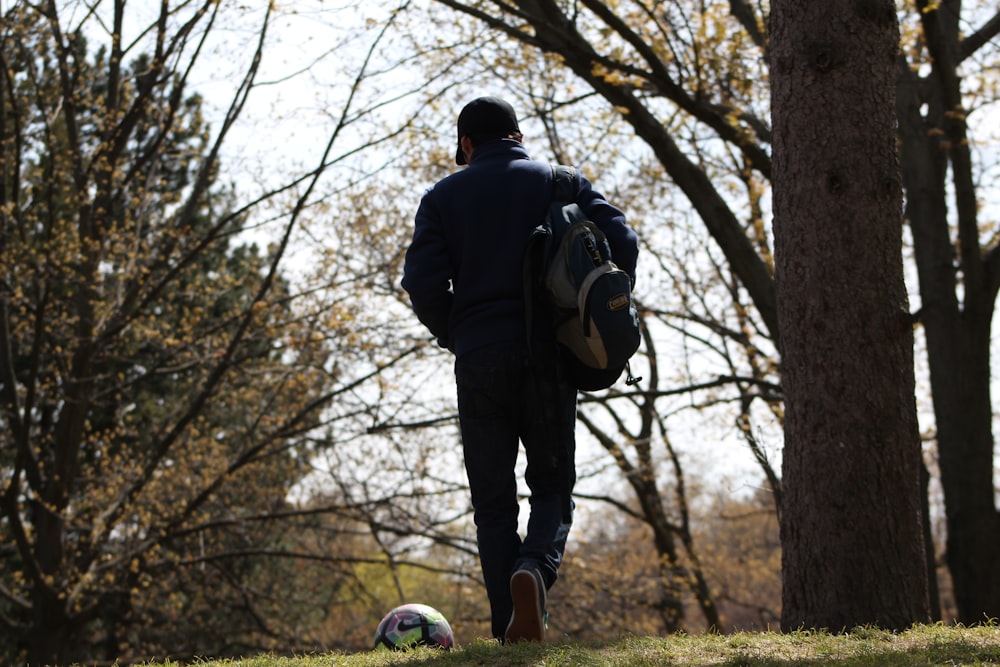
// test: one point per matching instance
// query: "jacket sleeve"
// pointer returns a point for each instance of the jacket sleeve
(427, 272)
(610, 220)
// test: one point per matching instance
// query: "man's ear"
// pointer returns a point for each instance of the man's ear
(467, 148)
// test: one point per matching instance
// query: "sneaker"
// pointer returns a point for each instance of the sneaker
(527, 623)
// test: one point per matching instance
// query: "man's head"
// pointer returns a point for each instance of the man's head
(484, 119)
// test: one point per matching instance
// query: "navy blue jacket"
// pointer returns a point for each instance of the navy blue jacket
(463, 268)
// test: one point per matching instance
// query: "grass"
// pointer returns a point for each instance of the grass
(863, 647)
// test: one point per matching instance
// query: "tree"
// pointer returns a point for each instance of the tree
(159, 374)
(665, 514)
(688, 79)
(851, 532)
(742, 553)
(958, 268)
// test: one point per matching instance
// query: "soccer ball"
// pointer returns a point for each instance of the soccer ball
(414, 625)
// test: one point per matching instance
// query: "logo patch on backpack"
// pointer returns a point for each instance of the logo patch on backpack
(619, 301)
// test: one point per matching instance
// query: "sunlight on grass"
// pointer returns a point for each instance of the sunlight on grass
(863, 647)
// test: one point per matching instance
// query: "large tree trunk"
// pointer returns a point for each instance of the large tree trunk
(851, 530)
(957, 330)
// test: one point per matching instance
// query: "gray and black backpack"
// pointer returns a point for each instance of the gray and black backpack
(568, 268)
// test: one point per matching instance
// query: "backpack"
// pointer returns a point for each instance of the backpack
(570, 277)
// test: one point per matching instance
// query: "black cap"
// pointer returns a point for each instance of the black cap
(485, 118)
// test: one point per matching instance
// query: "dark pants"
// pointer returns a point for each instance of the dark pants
(502, 398)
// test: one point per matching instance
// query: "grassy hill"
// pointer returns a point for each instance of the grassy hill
(922, 645)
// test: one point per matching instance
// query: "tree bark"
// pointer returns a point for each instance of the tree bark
(851, 529)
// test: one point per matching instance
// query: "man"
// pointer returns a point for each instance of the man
(463, 275)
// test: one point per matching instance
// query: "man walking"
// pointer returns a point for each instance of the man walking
(463, 275)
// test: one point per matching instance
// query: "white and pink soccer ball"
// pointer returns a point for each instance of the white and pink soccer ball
(412, 625)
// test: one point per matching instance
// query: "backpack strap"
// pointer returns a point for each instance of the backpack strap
(564, 186)
(564, 183)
